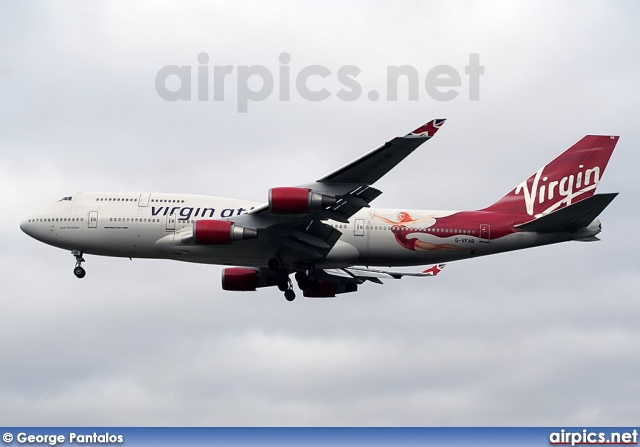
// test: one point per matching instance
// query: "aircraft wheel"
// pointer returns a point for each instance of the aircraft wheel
(289, 295)
(283, 284)
(79, 272)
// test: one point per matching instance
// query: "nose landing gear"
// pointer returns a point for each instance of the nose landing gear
(78, 270)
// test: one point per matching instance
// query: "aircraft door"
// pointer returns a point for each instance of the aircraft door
(485, 233)
(143, 200)
(171, 222)
(93, 219)
(358, 227)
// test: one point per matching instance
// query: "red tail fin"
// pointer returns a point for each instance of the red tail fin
(572, 176)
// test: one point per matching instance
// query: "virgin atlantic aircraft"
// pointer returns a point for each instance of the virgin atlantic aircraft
(325, 232)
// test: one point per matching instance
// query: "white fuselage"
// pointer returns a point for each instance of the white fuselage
(143, 225)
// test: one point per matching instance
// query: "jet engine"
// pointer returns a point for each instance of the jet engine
(243, 279)
(326, 289)
(220, 232)
(297, 200)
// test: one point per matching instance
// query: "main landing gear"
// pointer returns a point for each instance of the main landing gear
(306, 279)
(78, 270)
(284, 283)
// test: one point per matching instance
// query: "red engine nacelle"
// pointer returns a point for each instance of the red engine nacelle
(243, 279)
(297, 200)
(326, 289)
(239, 279)
(220, 232)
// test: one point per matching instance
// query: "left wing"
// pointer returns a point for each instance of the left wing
(336, 281)
(351, 184)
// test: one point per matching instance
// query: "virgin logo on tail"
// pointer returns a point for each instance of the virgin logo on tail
(566, 189)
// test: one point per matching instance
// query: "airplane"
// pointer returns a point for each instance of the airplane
(325, 233)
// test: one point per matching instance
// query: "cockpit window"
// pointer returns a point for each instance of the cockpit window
(65, 198)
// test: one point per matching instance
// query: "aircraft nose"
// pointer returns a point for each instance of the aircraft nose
(24, 226)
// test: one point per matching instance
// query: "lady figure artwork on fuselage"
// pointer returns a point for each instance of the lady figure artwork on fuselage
(402, 228)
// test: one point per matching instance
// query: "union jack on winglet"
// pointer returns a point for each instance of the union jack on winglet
(433, 271)
(427, 130)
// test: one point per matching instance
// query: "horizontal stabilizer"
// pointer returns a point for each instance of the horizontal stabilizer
(589, 239)
(570, 218)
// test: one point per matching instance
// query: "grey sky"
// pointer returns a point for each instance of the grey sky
(547, 336)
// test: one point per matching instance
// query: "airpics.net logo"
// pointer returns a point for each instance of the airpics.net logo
(254, 83)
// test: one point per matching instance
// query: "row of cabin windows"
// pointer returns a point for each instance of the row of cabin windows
(132, 219)
(398, 228)
(431, 230)
(58, 219)
(111, 219)
(119, 199)
(142, 219)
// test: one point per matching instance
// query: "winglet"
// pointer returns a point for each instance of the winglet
(427, 130)
(433, 271)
